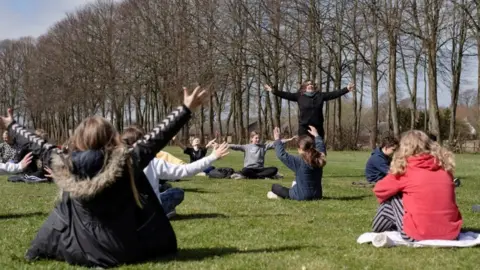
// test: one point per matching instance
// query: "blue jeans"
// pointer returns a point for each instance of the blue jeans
(170, 198)
(209, 169)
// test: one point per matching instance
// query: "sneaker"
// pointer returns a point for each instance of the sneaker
(201, 174)
(272, 195)
(294, 183)
(278, 176)
(171, 214)
(457, 182)
(237, 176)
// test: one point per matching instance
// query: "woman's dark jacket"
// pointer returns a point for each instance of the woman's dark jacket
(97, 221)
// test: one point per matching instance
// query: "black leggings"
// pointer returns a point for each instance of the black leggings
(280, 191)
(259, 173)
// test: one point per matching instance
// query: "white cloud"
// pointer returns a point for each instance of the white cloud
(20, 18)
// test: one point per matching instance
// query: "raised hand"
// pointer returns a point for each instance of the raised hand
(351, 87)
(276, 133)
(26, 161)
(194, 99)
(7, 120)
(210, 143)
(221, 150)
(313, 131)
(267, 87)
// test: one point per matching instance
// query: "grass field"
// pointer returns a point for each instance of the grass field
(230, 224)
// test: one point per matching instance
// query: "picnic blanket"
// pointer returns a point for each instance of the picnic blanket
(391, 239)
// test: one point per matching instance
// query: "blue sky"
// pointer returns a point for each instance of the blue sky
(33, 17)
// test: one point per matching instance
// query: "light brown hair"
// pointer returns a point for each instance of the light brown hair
(132, 134)
(310, 154)
(94, 133)
(415, 143)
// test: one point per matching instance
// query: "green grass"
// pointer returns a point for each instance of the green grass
(230, 224)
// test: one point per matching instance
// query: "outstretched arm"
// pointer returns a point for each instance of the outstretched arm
(336, 94)
(237, 147)
(8, 168)
(160, 169)
(282, 94)
(179, 143)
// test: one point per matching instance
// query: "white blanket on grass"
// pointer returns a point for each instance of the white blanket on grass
(390, 239)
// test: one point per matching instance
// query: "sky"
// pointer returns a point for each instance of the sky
(20, 18)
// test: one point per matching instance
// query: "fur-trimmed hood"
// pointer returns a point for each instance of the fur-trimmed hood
(86, 186)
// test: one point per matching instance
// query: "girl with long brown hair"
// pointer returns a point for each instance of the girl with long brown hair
(107, 213)
(308, 167)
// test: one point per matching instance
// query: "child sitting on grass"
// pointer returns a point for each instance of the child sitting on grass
(254, 159)
(379, 162)
(161, 169)
(108, 214)
(417, 197)
(308, 167)
(196, 152)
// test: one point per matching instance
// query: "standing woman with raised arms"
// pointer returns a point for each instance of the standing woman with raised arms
(310, 102)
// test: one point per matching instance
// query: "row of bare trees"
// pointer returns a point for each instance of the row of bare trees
(128, 62)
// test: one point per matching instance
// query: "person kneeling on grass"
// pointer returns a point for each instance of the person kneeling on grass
(379, 162)
(308, 167)
(254, 159)
(160, 169)
(417, 197)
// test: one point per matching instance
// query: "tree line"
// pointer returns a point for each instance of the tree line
(128, 61)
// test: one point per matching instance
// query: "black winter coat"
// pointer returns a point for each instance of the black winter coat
(311, 108)
(97, 221)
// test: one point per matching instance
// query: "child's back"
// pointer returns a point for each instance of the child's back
(428, 195)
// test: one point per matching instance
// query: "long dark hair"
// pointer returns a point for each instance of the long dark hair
(311, 155)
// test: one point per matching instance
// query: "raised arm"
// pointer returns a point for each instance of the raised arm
(320, 145)
(282, 94)
(237, 147)
(179, 143)
(336, 94)
(146, 148)
(292, 162)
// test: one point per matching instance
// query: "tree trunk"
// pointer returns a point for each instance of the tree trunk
(392, 85)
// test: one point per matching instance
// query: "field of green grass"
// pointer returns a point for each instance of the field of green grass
(230, 224)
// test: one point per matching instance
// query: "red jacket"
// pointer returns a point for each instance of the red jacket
(428, 199)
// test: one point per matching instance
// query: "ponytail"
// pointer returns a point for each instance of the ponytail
(314, 158)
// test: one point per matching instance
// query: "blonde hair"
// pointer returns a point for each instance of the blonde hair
(415, 143)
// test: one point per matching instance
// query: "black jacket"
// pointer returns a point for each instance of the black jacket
(311, 107)
(97, 221)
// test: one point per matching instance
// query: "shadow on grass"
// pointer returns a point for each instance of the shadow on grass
(347, 198)
(198, 254)
(199, 216)
(196, 190)
(467, 229)
(22, 215)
